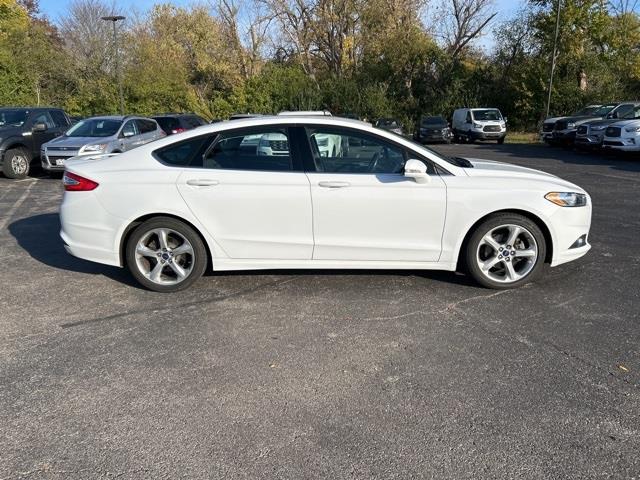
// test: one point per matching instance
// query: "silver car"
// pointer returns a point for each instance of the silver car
(99, 135)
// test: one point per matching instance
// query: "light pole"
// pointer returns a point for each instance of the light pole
(114, 19)
(554, 57)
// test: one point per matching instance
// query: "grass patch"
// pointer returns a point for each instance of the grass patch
(522, 137)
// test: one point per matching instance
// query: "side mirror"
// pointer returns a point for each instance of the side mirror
(39, 127)
(127, 134)
(417, 170)
(506, 119)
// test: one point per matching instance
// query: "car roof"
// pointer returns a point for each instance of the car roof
(184, 114)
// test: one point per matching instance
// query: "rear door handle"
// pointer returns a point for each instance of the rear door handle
(332, 184)
(202, 183)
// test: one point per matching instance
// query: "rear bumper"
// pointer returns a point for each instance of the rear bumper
(88, 230)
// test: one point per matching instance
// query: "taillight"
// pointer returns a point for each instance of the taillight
(178, 130)
(76, 183)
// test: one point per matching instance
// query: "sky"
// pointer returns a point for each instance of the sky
(54, 9)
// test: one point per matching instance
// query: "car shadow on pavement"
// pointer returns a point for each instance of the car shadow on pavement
(39, 236)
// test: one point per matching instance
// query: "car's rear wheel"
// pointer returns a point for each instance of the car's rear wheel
(506, 251)
(165, 254)
(16, 163)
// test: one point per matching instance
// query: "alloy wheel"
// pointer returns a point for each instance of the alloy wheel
(164, 256)
(507, 253)
(19, 165)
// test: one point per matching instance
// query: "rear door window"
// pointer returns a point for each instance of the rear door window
(265, 148)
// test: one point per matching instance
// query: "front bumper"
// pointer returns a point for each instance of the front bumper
(476, 135)
(570, 224)
(623, 144)
(563, 136)
(590, 141)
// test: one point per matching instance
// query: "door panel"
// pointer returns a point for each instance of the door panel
(259, 215)
(364, 208)
(384, 217)
(248, 196)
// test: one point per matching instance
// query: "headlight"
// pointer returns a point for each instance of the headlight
(632, 129)
(477, 125)
(567, 199)
(571, 125)
(98, 147)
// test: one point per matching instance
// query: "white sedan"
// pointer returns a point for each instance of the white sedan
(210, 198)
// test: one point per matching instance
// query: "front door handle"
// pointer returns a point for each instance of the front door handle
(332, 184)
(202, 183)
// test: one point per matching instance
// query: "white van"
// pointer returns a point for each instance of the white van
(470, 124)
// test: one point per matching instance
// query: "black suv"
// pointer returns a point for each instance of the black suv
(178, 122)
(22, 131)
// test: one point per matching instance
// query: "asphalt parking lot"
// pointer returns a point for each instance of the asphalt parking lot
(315, 374)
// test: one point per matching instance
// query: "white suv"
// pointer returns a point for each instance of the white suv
(624, 136)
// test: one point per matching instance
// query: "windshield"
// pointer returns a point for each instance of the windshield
(433, 121)
(96, 127)
(587, 110)
(604, 110)
(13, 118)
(388, 122)
(487, 114)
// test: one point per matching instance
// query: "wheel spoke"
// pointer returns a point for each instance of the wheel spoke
(510, 271)
(178, 269)
(145, 251)
(526, 253)
(490, 263)
(489, 240)
(162, 237)
(514, 231)
(154, 275)
(184, 248)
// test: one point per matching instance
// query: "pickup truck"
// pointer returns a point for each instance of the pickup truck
(22, 131)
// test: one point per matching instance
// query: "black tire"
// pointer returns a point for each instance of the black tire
(470, 139)
(17, 163)
(491, 223)
(198, 260)
(500, 141)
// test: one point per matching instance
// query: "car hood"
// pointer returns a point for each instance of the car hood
(625, 123)
(602, 122)
(553, 119)
(8, 130)
(75, 142)
(581, 119)
(490, 168)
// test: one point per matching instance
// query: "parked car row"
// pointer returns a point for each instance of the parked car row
(613, 126)
(50, 136)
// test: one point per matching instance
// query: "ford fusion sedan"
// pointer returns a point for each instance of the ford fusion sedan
(217, 196)
(99, 135)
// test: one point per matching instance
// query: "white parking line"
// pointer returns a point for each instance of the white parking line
(16, 206)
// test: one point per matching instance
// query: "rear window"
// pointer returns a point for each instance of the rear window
(186, 153)
(167, 123)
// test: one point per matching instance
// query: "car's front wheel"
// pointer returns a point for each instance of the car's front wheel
(165, 254)
(16, 163)
(506, 251)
